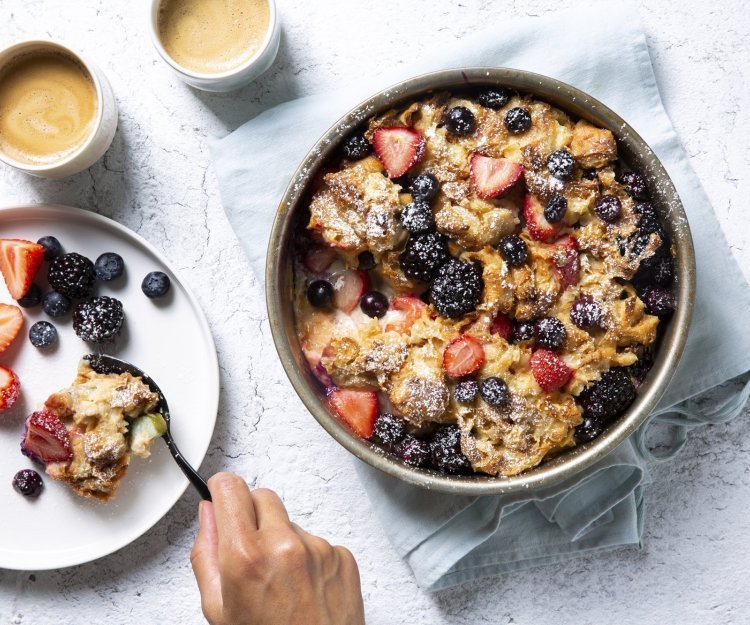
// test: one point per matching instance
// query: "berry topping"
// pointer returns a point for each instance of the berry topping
(494, 391)
(72, 275)
(414, 451)
(28, 482)
(389, 430)
(374, 304)
(56, 304)
(19, 264)
(550, 371)
(109, 266)
(52, 247)
(43, 334)
(463, 356)
(586, 313)
(320, 293)
(412, 309)
(156, 284)
(635, 185)
(522, 331)
(46, 438)
(32, 298)
(608, 397)
(365, 261)
(356, 147)
(417, 217)
(457, 289)
(518, 120)
(445, 450)
(423, 256)
(561, 164)
(502, 326)
(565, 261)
(659, 302)
(494, 97)
(11, 320)
(536, 223)
(609, 208)
(549, 332)
(98, 319)
(398, 148)
(460, 121)
(425, 186)
(556, 208)
(465, 391)
(10, 388)
(491, 177)
(663, 270)
(588, 430)
(358, 408)
(319, 258)
(514, 250)
(349, 286)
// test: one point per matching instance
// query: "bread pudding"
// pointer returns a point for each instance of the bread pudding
(480, 281)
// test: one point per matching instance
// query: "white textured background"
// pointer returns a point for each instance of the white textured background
(157, 180)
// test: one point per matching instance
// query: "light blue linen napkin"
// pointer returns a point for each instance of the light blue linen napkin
(451, 539)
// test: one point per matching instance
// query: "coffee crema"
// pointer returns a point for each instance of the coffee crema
(48, 107)
(212, 36)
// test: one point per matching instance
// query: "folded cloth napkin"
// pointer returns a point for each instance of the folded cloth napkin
(451, 539)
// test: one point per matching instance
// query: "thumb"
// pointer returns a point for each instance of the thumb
(205, 561)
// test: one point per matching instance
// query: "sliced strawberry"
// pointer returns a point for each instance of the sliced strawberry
(349, 286)
(492, 176)
(11, 320)
(10, 388)
(550, 371)
(566, 262)
(46, 438)
(412, 307)
(19, 263)
(502, 325)
(399, 148)
(463, 356)
(539, 228)
(318, 259)
(359, 408)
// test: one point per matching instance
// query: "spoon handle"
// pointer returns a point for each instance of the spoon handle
(190, 473)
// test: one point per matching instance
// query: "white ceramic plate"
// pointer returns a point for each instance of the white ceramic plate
(169, 339)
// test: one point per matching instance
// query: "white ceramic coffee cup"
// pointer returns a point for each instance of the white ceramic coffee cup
(231, 79)
(105, 123)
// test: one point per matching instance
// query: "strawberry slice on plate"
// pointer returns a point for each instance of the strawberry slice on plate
(358, 408)
(550, 371)
(411, 307)
(502, 325)
(19, 263)
(11, 320)
(348, 287)
(46, 438)
(491, 177)
(463, 356)
(399, 148)
(566, 262)
(537, 225)
(10, 388)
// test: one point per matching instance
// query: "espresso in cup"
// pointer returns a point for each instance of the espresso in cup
(48, 107)
(212, 36)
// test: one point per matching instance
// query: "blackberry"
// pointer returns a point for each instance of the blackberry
(42, 334)
(649, 219)
(522, 331)
(423, 256)
(517, 120)
(664, 270)
(586, 313)
(655, 270)
(320, 293)
(109, 266)
(52, 247)
(635, 185)
(659, 302)
(640, 369)
(28, 482)
(356, 147)
(460, 121)
(156, 284)
(465, 392)
(608, 208)
(445, 451)
(99, 319)
(414, 451)
(549, 333)
(32, 298)
(389, 430)
(425, 186)
(72, 275)
(514, 250)
(56, 304)
(588, 430)
(561, 164)
(556, 208)
(494, 97)
(494, 391)
(365, 261)
(417, 217)
(457, 288)
(608, 397)
(374, 304)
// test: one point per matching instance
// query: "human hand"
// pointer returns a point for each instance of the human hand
(255, 567)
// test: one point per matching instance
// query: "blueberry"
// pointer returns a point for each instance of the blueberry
(465, 392)
(109, 266)
(494, 97)
(155, 284)
(556, 208)
(374, 304)
(588, 430)
(494, 391)
(414, 451)
(609, 208)
(425, 186)
(42, 334)
(635, 185)
(52, 247)
(32, 298)
(445, 450)
(659, 302)
(513, 249)
(460, 121)
(517, 120)
(417, 217)
(320, 293)
(28, 482)
(522, 331)
(561, 164)
(586, 313)
(366, 261)
(56, 304)
(356, 147)
(549, 332)
(389, 430)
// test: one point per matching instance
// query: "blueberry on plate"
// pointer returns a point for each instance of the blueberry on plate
(56, 304)
(109, 266)
(513, 249)
(659, 302)
(320, 293)
(556, 208)
(365, 261)
(494, 391)
(32, 298)
(374, 304)
(465, 392)
(635, 185)
(586, 313)
(608, 208)
(414, 451)
(52, 247)
(356, 147)
(417, 217)
(28, 482)
(588, 430)
(522, 331)
(517, 120)
(494, 97)
(155, 284)
(425, 186)
(42, 334)
(549, 332)
(445, 451)
(460, 121)
(561, 164)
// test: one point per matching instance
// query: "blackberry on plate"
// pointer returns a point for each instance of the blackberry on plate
(549, 332)
(635, 185)
(389, 430)
(517, 120)
(72, 275)
(99, 319)
(52, 247)
(586, 313)
(588, 430)
(649, 219)
(659, 302)
(608, 397)
(445, 451)
(155, 284)
(494, 97)
(556, 208)
(465, 392)
(522, 331)
(423, 256)
(608, 208)
(356, 147)
(457, 288)
(320, 293)
(43, 334)
(460, 121)
(28, 482)
(56, 304)
(365, 261)
(425, 186)
(374, 304)
(642, 366)
(32, 298)
(494, 391)
(417, 217)
(513, 249)
(109, 266)
(561, 164)
(414, 451)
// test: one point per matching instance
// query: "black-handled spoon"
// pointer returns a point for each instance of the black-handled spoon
(104, 364)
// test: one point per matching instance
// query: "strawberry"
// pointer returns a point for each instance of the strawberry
(463, 356)
(412, 308)
(11, 320)
(318, 259)
(565, 261)
(46, 438)
(491, 177)
(539, 228)
(502, 325)
(19, 263)
(10, 388)
(399, 148)
(359, 408)
(349, 286)
(550, 371)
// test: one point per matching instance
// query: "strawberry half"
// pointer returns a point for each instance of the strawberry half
(492, 176)
(318, 259)
(10, 388)
(463, 356)
(19, 263)
(412, 307)
(550, 371)
(539, 228)
(502, 325)
(566, 262)
(359, 408)
(399, 148)
(11, 320)
(349, 286)
(46, 438)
